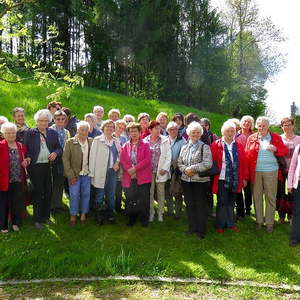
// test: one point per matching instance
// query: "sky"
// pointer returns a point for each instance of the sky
(285, 86)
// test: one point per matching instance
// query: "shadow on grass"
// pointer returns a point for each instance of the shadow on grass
(160, 250)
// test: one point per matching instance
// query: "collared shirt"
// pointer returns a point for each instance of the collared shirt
(85, 158)
(266, 160)
(229, 147)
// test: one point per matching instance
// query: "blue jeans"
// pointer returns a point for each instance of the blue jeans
(225, 206)
(80, 191)
(108, 191)
(295, 233)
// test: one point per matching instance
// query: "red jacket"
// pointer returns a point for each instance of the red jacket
(252, 149)
(4, 165)
(216, 149)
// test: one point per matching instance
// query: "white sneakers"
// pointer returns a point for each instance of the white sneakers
(160, 218)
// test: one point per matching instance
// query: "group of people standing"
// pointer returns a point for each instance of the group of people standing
(170, 162)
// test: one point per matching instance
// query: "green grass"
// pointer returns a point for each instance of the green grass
(162, 249)
(138, 291)
(32, 97)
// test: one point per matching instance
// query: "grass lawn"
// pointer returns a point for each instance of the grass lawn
(162, 249)
(32, 97)
(138, 291)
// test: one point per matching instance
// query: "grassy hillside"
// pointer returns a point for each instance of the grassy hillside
(32, 97)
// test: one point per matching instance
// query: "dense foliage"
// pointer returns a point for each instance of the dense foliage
(181, 51)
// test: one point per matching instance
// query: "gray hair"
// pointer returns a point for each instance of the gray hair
(8, 125)
(96, 107)
(43, 113)
(18, 109)
(83, 124)
(194, 126)
(172, 124)
(3, 119)
(262, 119)
(226, 125)
(90, 115)
(129, 116)
(244, 118)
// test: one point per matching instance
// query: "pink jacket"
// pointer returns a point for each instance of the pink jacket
(143, 166)
(293, 176)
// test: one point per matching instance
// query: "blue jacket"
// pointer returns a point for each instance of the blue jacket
(176, 147)
(32, 142)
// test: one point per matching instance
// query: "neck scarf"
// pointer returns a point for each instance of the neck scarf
(232, 165)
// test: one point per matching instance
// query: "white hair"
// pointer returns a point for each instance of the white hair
(96, 107)
(194, 126)
(83, 124)
(226, 125)
(90, 115)
(262, 119)
(8, 125)
(43, 113)
(129, 116)
(3, 119)
(172, 124)
(244, 118)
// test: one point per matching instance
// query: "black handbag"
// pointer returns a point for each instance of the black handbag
(214, 170)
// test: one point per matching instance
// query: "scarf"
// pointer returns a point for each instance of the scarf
(232, 166)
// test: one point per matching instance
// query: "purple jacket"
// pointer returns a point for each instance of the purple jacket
(143, 166)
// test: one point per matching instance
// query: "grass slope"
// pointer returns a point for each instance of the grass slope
(32, 97)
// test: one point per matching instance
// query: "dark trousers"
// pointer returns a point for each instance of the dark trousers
(58, 188)
(195, 197)
(139, 194)
(295, 232)
(118, 196)
(11, 204)
(225, 206)
(42, 191)
(244, 202)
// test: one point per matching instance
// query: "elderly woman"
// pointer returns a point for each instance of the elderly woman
(178, 118)
(59, 118)
(161, 163)
(120, 134)
(53, 106)
(163, 120)
(294, 188)
(231, 160)
(13, 162)
(99, 113)
(76, 167)
(144, 120)
(43, 150)
(2, 121)
(137, 176)
(104, 165)
(262, 149)
(244, 202)
(129, 118)
(18, 115)
(114, 115)
(91, 119)
(195, 157)
(173, 186)
(290, 140)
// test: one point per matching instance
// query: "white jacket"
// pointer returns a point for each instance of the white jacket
(98, 162)
(164, 162)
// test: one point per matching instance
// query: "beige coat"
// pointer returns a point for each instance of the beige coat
(99, 156)
(72, 157)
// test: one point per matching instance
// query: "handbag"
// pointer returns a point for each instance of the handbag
(214, 170)
(175, 185)
(27, 178)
